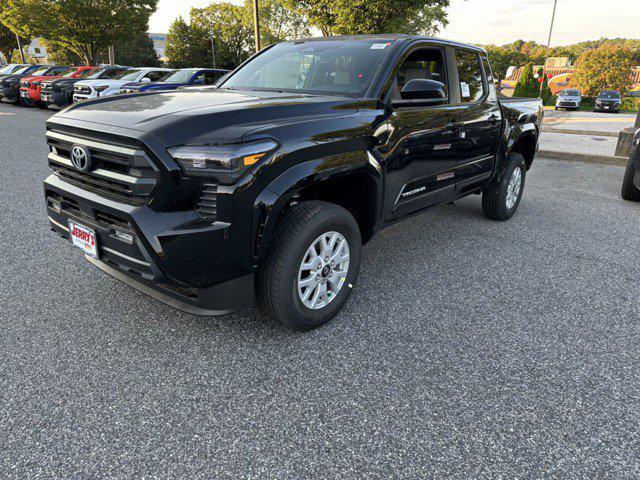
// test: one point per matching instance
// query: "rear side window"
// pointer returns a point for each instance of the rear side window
(491, 83)
(472, 87)
(155, 76)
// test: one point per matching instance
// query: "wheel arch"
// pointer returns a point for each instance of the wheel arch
(352, 180)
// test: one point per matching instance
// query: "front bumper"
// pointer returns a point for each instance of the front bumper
(55, 98)
(607, 107)
(565, 104)
(10, 94)
(172, 257)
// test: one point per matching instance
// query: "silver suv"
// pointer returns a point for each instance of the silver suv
(569, 99)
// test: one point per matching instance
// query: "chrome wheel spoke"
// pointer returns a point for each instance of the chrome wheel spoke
(323, 270)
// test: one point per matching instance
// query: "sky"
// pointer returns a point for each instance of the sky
(497, 21)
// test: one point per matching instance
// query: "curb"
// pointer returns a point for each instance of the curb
(583, 157)
(591, 133)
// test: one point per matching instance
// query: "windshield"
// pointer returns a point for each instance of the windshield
(315, 67)
(88, 73)
(108, 73)
(39, 72)
(178, 76)
(6, 69)
(127, 75)
(570, 93)
(610, 95)
(67, 73)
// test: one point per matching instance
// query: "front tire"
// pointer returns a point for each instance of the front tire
(629, 190)
(501, 201)
(312, 265)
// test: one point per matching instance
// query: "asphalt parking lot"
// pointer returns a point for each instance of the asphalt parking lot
(470, 349)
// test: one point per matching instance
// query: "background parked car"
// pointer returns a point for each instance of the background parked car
(569, 99)
(87, 89)
(59, 93)
(178, 78)
(608, 101)
(31, 87)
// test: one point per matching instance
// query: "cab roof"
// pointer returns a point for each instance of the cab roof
(392, 37)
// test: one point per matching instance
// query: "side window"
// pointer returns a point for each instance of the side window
(210, 78)
(490, 80)
(425, 63)
(200, 79)
(472, 87)
(155, 76)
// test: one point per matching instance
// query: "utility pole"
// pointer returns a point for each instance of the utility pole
(20, 48)
(213, 46)
(112, 55)
(256, 24)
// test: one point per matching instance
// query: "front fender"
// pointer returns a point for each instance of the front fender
(274, 198)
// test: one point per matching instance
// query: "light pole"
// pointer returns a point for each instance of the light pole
(553, 17)
(256, 24)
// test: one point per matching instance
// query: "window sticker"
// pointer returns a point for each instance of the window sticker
(465, 91)
(380, 46)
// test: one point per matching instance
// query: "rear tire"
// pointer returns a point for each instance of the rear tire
(283, 279)
(629, 190)
(501, 201)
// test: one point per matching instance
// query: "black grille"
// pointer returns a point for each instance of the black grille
(118, 170)
(207, 205)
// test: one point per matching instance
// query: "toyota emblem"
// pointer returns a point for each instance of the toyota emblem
(81, 158)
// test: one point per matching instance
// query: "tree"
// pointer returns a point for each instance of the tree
(231, 30)
(545, 92)
(187, 46)
(501, 58)
(9, 43)
(84, 27)
(277, 22)
(527, 85)
(609, 66)
(138, 51)
(348, 17)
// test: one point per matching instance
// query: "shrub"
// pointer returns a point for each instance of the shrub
(527, 86)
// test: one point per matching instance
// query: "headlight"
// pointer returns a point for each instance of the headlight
(225, 162)
(36, 84)
(101, 88)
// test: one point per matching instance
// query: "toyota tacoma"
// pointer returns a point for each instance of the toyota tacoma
(267, 187)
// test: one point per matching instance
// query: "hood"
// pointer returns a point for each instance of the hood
(40, 78)
(62, 80)
(204, 115)
(105, 81)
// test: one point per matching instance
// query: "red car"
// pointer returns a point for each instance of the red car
(30, 87)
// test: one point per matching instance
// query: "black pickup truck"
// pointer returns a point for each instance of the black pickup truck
(267, 187)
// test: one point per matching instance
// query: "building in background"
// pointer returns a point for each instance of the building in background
(159, 43)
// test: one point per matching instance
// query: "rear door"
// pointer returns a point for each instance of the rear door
(481, 118)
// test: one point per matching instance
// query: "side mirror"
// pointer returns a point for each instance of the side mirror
(146, 80)
(424, 89)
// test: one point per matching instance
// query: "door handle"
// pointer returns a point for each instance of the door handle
(493, 119)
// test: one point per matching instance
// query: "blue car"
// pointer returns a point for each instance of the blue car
(178, 78)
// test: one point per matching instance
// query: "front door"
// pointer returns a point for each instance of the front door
(423, 147)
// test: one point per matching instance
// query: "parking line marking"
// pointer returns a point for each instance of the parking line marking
(6, 113)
